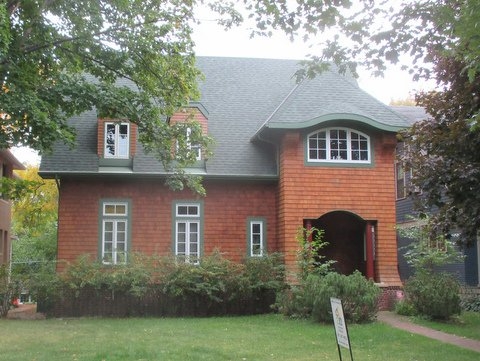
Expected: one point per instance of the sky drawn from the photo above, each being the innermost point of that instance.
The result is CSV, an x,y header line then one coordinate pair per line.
x,y
212,40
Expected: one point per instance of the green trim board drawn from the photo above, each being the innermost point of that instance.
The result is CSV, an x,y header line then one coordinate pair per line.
x,y
334,116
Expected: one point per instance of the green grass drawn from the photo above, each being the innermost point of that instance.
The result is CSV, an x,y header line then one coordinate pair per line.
x,y
466,325
257,338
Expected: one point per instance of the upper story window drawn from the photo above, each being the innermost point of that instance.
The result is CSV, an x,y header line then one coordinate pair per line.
x,y
117,140
193,147
341,145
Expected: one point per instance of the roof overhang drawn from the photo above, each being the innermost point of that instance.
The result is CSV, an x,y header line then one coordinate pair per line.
x,y
11,159
326,118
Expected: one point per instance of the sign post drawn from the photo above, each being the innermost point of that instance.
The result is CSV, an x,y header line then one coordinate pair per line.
x,y
341,330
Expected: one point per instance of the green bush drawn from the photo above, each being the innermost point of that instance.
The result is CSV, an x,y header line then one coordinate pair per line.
x,y
471,304
312,299
162,286
405,308
435,295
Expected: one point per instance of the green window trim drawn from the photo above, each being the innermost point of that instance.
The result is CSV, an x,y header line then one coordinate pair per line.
x,y
187,230
338,147
256,236
114,231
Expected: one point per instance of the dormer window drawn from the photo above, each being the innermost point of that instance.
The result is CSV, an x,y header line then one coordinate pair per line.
x,y
195,148
117,140
338,145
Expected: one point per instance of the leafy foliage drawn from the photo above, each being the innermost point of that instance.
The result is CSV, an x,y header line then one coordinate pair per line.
x,y
435,295
426,252
162,286
309,258
312,299
471,304
442,151
8,290
127,59
34,222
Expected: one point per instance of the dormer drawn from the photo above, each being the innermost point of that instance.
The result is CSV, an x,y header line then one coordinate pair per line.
x,y
195,112
116,142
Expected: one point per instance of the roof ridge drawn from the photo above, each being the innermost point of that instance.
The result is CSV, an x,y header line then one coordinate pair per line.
x,y
295,87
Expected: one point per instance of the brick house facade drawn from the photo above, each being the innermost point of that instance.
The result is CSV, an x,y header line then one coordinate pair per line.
x,y
319,153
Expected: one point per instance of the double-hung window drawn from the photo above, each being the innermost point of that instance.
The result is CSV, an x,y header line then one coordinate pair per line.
x,y
341,145
115,230
117,141
256,237
188,231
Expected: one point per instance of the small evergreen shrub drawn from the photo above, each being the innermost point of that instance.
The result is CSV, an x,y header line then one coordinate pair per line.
x,y
405,308
312,298
359,297
435,295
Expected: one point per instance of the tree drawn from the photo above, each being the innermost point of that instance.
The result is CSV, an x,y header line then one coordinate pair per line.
x,y
443,152
34,221
129,59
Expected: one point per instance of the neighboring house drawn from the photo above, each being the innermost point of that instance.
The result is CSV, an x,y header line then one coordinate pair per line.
x,y
8,163
467,271
286,155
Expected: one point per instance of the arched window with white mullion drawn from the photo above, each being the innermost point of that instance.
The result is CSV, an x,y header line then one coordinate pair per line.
x,y
338,145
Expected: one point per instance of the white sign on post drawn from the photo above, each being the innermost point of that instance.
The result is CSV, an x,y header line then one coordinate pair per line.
x,y
339,321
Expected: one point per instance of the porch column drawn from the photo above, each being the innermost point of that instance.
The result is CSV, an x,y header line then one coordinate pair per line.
x,y
370,249
308,226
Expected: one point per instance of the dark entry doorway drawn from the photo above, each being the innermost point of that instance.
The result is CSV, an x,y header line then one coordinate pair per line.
x,y
345,234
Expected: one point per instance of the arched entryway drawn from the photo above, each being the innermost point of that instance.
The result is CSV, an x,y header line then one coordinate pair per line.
x,y
351,241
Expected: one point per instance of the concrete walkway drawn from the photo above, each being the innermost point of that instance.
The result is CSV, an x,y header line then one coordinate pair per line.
x,y
404,323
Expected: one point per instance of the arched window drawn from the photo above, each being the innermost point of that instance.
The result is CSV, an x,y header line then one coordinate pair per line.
x,y
338,145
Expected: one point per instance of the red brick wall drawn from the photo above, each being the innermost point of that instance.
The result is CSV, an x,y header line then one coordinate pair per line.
x,y
308,192
226,209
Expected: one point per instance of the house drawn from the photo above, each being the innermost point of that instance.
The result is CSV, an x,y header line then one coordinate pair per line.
x,y
8,163
468,270
319,153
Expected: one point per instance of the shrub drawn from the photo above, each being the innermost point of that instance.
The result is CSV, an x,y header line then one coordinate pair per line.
x,y
312,298
435,295
359,297
471,304
162,286
405,308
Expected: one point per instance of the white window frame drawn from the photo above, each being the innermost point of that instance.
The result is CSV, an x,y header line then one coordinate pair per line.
x,y
120,151
189,220
260,241
116,219
349,149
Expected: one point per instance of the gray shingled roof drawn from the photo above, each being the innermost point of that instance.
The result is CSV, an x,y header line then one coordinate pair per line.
x,y
412,113
244,97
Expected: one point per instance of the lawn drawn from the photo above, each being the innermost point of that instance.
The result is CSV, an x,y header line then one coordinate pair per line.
x,y
466,325
267,337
